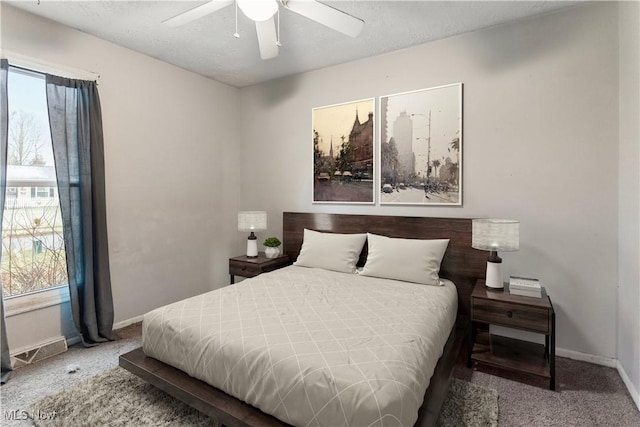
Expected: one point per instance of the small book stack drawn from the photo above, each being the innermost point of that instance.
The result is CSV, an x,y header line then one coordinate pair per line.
x,y
525,287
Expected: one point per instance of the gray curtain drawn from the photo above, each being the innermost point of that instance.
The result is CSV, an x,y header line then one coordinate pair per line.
x,y
4,132
76,132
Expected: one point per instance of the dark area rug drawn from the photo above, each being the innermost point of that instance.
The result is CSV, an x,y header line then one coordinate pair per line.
x,y
119,398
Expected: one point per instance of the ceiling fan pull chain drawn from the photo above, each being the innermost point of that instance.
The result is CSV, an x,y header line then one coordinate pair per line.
x,y
236,34
278,33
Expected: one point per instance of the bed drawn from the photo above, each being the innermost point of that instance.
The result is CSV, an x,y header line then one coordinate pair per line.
x,y
295,285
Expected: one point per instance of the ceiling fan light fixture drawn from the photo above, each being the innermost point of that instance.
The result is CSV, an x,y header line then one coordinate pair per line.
x,y
258,10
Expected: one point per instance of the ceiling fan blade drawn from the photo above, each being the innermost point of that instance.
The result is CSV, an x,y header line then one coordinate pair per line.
x,y
267,39
326,15
197,12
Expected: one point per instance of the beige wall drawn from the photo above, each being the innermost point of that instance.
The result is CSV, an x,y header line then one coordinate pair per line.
x,y
541,127
540,145
629,198
171,151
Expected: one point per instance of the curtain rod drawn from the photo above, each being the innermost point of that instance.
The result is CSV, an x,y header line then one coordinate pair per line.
x,y
35,65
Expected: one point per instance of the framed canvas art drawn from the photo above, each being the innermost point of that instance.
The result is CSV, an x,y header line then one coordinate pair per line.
x,y
343,152
421,147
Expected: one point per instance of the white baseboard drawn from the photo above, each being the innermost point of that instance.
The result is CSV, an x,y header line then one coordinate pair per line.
x,y
609,362
128,322
562,352
627,381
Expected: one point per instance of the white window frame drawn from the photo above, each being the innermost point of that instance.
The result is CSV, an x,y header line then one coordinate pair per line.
x,y
44,190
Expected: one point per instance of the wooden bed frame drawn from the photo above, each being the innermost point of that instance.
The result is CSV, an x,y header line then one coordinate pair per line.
x,y
461,264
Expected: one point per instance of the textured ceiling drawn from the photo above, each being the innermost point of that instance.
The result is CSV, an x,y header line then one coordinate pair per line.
x,y
207,46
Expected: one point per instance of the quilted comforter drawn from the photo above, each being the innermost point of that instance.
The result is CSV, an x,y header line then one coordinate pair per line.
x,y
311,347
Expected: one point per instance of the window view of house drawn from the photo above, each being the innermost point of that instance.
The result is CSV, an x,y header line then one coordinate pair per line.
x,y
33,254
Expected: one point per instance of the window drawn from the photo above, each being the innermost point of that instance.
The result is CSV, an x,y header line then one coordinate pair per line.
x,y
41,192
33,254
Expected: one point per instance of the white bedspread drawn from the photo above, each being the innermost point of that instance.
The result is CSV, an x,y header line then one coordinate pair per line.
x,y
311,347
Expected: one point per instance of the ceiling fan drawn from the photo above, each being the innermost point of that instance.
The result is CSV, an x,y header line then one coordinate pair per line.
x,y
263,12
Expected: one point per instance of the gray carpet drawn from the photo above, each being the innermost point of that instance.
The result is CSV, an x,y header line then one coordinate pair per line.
x,y
588,395
119,398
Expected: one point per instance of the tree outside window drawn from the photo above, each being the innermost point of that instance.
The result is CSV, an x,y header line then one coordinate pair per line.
x,y
33,255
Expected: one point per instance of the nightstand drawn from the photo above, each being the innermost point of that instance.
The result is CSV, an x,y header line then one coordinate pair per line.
x,y
251,267
499,307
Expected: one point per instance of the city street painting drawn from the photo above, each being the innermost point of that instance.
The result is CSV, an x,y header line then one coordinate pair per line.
x,y
343,153
421,147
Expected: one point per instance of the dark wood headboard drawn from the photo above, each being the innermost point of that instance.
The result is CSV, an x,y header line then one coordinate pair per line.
x,y
461,263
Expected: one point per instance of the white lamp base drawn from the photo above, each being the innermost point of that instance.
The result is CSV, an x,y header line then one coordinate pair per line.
x,y
494,275
252,248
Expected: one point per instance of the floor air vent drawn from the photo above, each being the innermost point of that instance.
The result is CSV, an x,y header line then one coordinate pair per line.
x,y
42,351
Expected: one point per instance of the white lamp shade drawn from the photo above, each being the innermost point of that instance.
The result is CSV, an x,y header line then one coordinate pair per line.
x,y
252,221
495,235
258,10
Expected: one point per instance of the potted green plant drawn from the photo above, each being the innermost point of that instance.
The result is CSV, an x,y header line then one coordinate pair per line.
x,y
272,247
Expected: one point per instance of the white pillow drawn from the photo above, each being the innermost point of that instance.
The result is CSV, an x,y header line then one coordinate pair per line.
x,y
331,251
410,260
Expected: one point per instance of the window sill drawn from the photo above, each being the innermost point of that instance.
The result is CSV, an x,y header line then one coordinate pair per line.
x,y
35,300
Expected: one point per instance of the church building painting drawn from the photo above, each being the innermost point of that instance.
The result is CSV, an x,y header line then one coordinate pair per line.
x,y
343,153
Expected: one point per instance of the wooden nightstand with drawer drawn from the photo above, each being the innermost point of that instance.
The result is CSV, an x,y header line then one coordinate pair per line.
x,y
499,307
250,267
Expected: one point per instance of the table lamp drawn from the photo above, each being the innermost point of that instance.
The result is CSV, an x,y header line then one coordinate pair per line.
x,y
495,235
252,221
